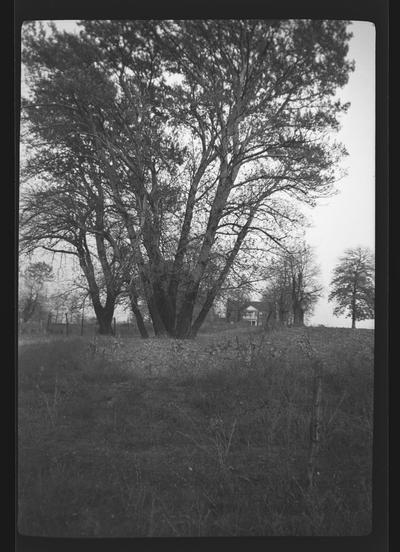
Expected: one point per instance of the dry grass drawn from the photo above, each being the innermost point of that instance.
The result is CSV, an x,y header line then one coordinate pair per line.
x,y
136,438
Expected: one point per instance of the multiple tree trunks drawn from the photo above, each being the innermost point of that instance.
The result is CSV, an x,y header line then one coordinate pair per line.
x,y
139,318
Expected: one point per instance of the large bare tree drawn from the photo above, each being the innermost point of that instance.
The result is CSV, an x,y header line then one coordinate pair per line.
x,y
204,132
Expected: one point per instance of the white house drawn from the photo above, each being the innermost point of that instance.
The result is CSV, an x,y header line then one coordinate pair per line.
x,y
253,314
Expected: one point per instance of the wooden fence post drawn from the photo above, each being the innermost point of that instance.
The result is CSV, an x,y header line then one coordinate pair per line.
x,y
82,322
115,327
66,324
316,421
48,322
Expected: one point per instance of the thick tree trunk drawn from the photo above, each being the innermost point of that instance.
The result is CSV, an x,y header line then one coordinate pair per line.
x,y
164,308
184,322
105,324
298,316
353,304
158,325
283,317
104,314
139,319
104,318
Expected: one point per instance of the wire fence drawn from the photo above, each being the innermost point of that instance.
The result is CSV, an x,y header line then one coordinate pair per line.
x,y
53,326
75,328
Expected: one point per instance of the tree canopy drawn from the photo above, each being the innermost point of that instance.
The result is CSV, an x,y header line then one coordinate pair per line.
x,y
194,137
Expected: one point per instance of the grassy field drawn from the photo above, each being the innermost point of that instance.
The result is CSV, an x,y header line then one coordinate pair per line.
x,y
146,438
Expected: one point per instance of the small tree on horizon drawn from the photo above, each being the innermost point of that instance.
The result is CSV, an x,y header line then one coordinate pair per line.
x,y
353,285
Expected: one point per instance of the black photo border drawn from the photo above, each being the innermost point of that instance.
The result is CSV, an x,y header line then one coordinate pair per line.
x,y
375,11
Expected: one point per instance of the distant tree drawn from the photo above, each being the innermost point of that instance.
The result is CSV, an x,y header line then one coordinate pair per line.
x,y
66,299
277,293
353,285
33,281
293,286
305,287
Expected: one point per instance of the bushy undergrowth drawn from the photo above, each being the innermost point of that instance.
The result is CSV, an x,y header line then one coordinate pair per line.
x,y
209,447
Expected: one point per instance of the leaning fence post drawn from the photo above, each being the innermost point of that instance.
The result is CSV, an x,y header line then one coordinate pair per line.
x,y
48,322
316,421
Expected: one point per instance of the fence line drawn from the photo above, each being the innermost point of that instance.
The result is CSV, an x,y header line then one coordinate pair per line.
x,y
74,328
78,326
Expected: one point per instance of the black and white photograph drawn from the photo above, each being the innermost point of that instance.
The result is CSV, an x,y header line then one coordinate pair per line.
x,y
196,278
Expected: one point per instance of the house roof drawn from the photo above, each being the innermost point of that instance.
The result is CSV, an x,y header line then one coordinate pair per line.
x,y
259,305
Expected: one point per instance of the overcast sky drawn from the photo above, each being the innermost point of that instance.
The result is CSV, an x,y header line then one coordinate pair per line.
x,y
346,219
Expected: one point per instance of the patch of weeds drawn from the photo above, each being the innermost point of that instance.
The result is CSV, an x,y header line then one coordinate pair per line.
x,y
61,356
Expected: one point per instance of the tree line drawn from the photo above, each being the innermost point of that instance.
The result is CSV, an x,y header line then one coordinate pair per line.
x,y
165,154
292,289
